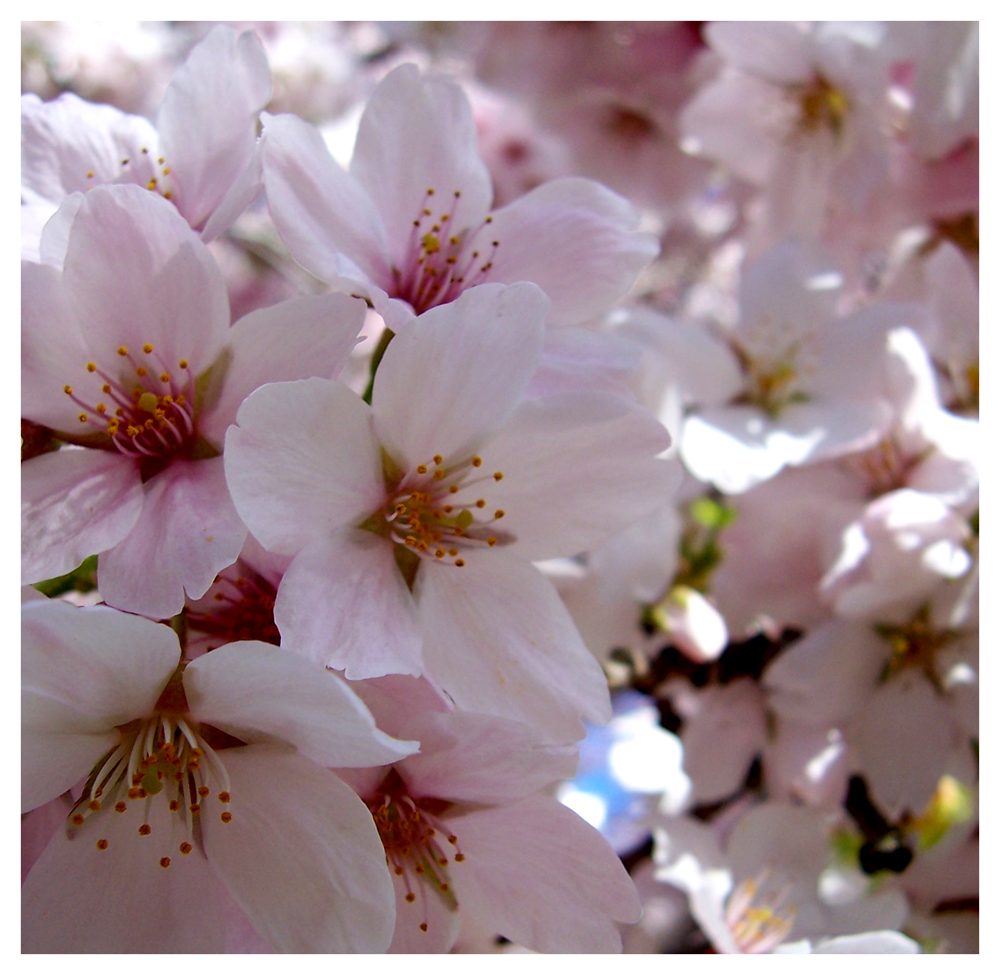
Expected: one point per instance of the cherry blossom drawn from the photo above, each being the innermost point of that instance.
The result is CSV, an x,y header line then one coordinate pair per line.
x,y
412,521
141,381
205,795
200,155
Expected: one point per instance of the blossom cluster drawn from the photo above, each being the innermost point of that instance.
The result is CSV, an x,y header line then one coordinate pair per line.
x,y
500,487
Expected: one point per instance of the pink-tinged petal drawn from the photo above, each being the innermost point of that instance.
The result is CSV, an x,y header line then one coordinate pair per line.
x,y
83,672
577,469
455,374
53,353
34,216
208,118
543,878
107,665
740,121
37,829
301,855
476,758
79,898
262,693
325,217
868,943
724,730
777,51
576,359
71,145
75,503
138,274
903,740
55,234
303,462
243,191
442,920
343,603
500,641
295,339
187,532
827,676
417,134
577,240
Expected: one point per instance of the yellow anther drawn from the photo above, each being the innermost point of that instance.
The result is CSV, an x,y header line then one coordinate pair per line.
x,y
101,408
438,459
141,371
226,817
491,541
164,862
101,844
91,367
223,797
453,552
185,848
174,805
453,489
147,348
145,829
82,417
203,791
166,172
195,807
68,390
423,925
77,819
106,388
410,898
151,185
497,476
93,805
459,857
439,475
122,350
459,562
120,806
439,554
161,160
90,174
499,513
166,194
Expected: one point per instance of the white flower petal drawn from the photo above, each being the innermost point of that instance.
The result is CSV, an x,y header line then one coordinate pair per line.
x,y
187,532
302,462
499,641
577,468
301,855
326,217
75,503
78,898
344,604
577,240
455,373
416,134
137,274
295,339
208,118
259,692
543,878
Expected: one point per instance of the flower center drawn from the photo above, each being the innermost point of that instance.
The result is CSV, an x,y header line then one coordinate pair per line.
x,y
164,758
441,258
142,169
885,467
916,644
243,610
821,106
415,841
437,511
757,928
148,410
